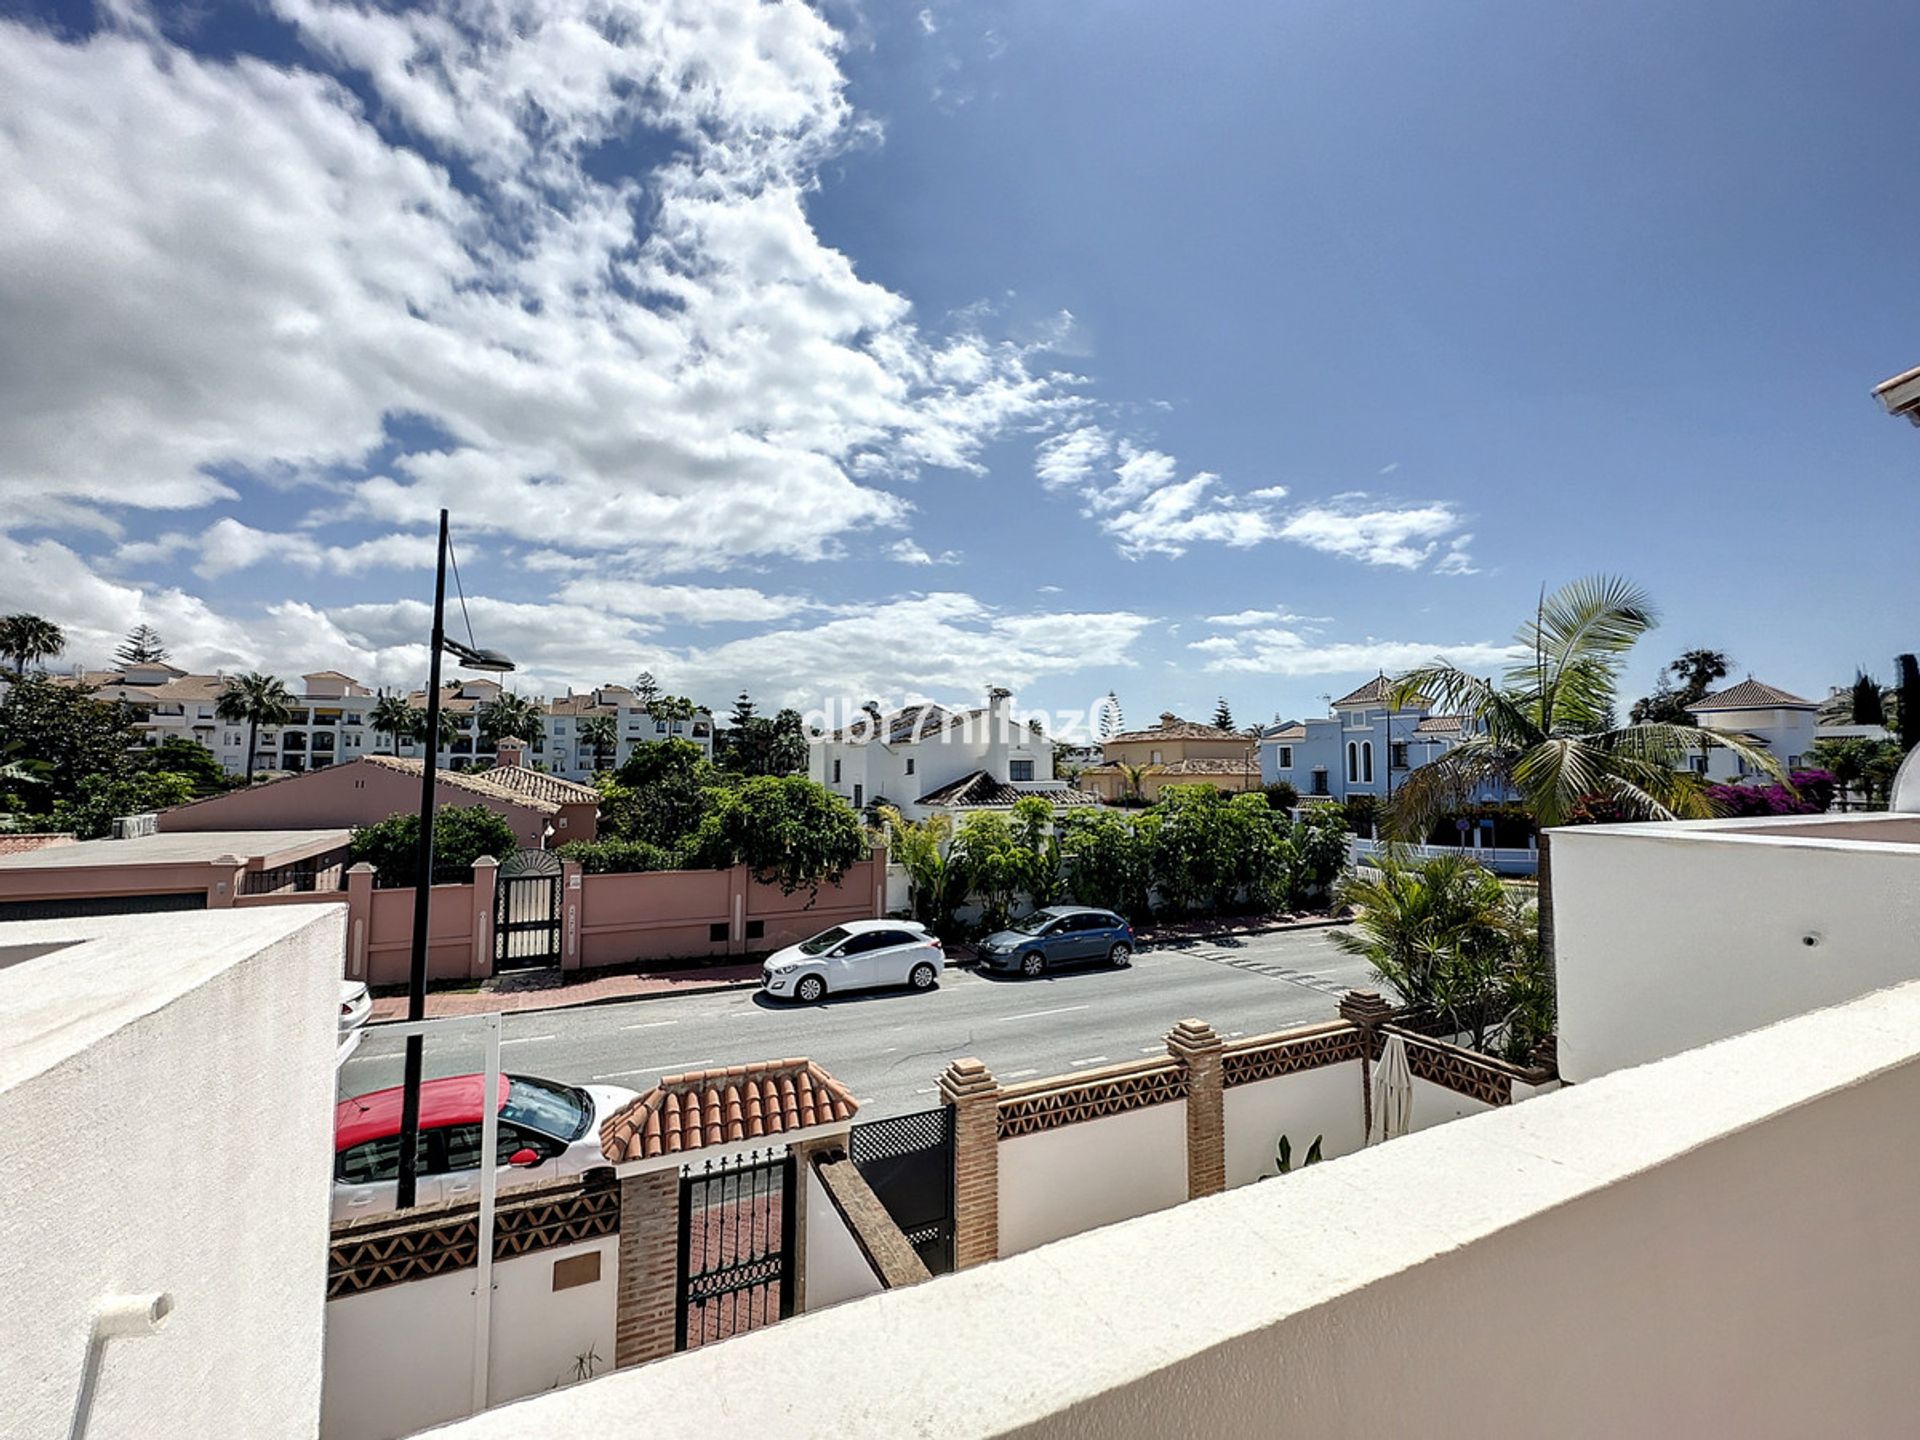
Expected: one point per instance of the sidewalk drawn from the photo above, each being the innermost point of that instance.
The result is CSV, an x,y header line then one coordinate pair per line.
x,y
548,990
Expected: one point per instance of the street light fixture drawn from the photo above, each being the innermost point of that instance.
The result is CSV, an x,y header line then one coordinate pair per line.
x,y
473,658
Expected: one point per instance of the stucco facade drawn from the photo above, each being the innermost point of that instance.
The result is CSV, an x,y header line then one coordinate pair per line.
x,y
1781,724
1173,752
924,749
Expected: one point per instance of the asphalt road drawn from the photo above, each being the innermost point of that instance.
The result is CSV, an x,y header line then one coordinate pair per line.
x,y
889,1047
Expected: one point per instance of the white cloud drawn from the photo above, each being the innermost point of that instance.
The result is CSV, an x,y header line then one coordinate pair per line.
x,y
1374,532
1260,617
1268,492
909,552
1283,651
701,604
1457,561
230,277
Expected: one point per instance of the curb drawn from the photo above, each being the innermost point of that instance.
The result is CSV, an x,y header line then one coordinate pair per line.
x,y
717,987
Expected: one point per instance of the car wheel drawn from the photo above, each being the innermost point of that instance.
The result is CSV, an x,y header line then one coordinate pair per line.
x,y
922,977
1120,956
1032,963
810,989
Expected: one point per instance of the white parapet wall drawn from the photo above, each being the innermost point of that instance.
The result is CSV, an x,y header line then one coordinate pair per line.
x,y
1717,1244
1669,936
166,1094
1074,1177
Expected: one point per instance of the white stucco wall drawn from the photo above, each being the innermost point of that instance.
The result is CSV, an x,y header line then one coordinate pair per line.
x,y
1060,1182
401,1358
1670,936
1719,1244
836,1268
1436,1105
166,1103
1323,1102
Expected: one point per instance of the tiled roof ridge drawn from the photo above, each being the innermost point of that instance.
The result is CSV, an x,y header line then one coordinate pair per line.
x,y
723,1106
1749,694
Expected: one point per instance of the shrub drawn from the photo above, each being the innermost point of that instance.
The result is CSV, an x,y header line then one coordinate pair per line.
x,y
618,857
461,835
1281,794
1107,860
100,799
788,830
1319,844
1810,793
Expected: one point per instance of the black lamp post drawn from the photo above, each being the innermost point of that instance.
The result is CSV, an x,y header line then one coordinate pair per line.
x,y
472,659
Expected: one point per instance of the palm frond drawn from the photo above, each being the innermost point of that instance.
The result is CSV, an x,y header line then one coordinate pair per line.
x,y
1443,785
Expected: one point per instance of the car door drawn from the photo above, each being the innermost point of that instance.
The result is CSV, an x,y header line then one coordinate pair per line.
x,y
894,956
366,1177
850,967
461,1177
1085,937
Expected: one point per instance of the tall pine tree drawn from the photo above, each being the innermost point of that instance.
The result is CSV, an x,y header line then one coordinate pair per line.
x,y
1223,715
141,647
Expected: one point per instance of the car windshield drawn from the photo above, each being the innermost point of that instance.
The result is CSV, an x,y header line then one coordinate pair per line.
x,y
1034,923
824,941
557,1110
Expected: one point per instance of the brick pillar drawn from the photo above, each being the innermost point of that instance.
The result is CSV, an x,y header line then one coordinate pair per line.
x,y
1198,1049
969,1087
1366,1010
486,880
644,1319
359,919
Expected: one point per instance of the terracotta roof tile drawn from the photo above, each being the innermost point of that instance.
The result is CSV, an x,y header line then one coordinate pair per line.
x,y
725,1107
532,788
1750,694
1440,725
980,791
1174,728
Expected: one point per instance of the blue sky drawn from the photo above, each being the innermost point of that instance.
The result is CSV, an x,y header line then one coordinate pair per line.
x,y
895,351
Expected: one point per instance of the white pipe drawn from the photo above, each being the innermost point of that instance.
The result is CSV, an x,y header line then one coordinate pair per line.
x,y
119,1317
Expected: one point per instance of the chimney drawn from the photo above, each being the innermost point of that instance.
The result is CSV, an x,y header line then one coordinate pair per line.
x,y
1000,737
512,752
1167,717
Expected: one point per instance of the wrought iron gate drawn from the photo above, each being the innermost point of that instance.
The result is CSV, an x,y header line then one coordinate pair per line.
x,y
526,911
736,1232
908,1160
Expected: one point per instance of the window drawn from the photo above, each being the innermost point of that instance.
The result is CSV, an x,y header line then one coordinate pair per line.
x,y
1353,762
659,727
836,772
1320,780
1155,760
1020,770
1284,759
909,765
462,1145
1366,762
856,797
375,1160
1398,752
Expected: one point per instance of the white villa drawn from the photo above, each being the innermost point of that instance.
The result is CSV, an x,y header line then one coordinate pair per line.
x,y
1783,725
926,758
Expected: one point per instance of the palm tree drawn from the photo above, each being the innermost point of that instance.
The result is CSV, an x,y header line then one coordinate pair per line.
x,y
416,728
1547,732
603,735
255,700
391,716
27,638
1134,776
512,717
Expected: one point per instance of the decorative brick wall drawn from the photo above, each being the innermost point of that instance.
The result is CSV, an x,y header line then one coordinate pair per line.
x,y
1198,1049
973,1093
644,1320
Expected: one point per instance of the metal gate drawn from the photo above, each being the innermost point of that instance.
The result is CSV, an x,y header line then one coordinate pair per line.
x,y
526,911
908,1160
736,1231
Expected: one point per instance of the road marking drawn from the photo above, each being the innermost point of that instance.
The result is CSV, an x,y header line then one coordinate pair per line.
x,y
1019,1074
1090,1060
673,1069
1036,1014
526,1039
890,1049
650,1025
867,1101
1152,1049
926,1090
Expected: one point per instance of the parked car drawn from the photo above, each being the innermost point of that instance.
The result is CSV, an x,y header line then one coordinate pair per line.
x,y
355,1006
1056,936
547,1130
859,955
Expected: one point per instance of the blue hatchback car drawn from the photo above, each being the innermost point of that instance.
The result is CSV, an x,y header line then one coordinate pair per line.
x,y
1056,936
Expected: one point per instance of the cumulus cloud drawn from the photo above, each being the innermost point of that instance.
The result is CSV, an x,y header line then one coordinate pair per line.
x,y
1279,650
1375,532
909,552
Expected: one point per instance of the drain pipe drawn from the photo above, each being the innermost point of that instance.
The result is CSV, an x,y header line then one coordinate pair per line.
x,y
119,1317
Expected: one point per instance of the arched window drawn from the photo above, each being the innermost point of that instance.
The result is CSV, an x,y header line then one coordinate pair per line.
x,y
1366,762
1353,762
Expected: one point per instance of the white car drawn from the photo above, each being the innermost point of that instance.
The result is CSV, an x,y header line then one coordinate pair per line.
x,y
547,1130
859,955
355,1006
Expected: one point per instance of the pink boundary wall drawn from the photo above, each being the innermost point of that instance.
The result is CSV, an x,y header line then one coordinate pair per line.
x,y
604,919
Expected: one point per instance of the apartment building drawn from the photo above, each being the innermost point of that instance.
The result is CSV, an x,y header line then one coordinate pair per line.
x,y
568,749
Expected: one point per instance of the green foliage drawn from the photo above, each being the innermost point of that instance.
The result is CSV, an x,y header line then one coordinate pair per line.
x,y
392,717
1907,708
1319,841
1362,812
511,717
142,646
189,758
254,700
416,727
1039,841
1107,858
1283,1155
786,829
1281,794
618,857
65,732
936,881
661,796
27,638
601,734
1454,944
1223,714
100,799
757,745
1208,846
1864,767
461,835
994,861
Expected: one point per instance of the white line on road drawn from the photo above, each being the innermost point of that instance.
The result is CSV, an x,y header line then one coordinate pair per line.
x,y
926,1089
650,1025
1090,1060
673,1069
525,1039
1152,1049
1019,1074
1036,1014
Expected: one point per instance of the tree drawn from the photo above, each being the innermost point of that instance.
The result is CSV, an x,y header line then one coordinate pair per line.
x,y
768,747
1909,701
618,857
1111,722
511,717
1319,841
1863,768
27,638
646,690
1223,715
1547,733
994,863
1135,776
101,799
602,735
1696,670
1866,705
742,711
661,796
393,717
66,733
416,727
787,830
141,647
1107,859
935,884
189,759
461,835
1282,794
254,700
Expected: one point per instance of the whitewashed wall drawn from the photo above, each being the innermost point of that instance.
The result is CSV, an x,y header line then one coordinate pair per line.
x,y
401,1358
1060,1182
1436,1105
1669,936
1323,1102
837,1269
166,1103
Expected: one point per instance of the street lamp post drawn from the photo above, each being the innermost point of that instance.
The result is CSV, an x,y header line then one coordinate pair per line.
x,y
407,1187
